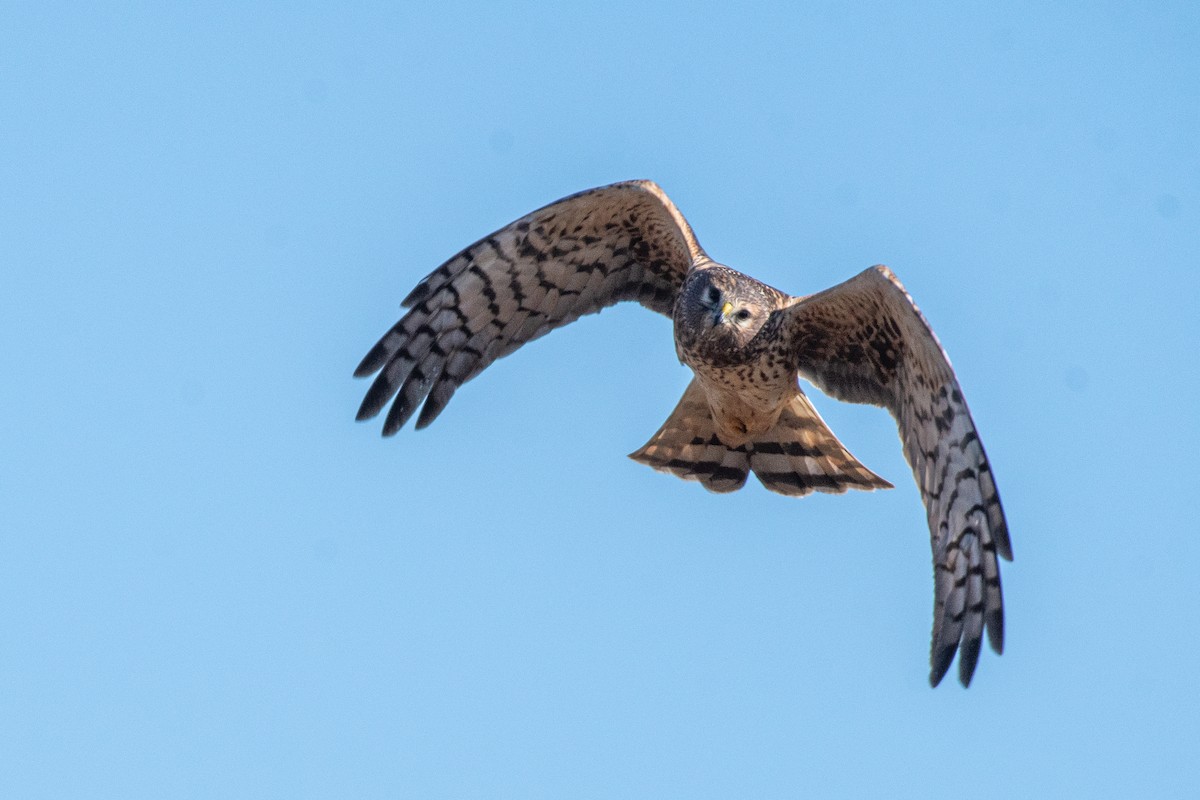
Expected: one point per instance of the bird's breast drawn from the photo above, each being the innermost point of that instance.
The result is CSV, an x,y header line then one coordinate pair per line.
x,y
745,399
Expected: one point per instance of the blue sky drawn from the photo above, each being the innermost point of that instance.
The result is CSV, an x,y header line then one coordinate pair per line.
x,y
213,583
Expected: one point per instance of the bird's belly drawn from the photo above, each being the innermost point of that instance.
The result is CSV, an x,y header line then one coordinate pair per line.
x,y
745,400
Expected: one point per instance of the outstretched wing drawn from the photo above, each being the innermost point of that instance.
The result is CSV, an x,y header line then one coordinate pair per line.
x,y
865,341
626,241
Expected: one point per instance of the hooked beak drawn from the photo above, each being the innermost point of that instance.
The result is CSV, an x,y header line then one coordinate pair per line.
x,y
721,315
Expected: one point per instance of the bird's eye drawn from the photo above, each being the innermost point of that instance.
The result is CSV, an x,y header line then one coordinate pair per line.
x,y
743,315
714,294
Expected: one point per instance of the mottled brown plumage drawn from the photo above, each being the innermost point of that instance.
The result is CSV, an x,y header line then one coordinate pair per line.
x,y
863,341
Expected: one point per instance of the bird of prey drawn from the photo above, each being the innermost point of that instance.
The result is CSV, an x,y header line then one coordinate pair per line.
x,y
863,341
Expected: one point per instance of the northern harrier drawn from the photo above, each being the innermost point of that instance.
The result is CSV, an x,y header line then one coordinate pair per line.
x,y
863,341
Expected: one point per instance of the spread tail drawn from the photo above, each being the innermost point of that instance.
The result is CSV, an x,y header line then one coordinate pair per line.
x,y
799,455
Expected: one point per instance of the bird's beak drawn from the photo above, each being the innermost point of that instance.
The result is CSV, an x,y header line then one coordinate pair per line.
x,y
725,309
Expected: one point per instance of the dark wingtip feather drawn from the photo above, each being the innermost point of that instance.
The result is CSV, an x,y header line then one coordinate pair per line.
x,y
398,414
429,412
939,664
995,630
439,396
968,657
372,361
377,396
1003,543
419,293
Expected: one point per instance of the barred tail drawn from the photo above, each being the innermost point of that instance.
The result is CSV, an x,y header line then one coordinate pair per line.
x,y
799,455
687,445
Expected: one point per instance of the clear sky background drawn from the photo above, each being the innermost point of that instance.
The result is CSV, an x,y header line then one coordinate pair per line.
x,y
214,583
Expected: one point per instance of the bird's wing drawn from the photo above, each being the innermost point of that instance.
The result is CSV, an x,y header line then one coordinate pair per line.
x,y
626,241
865,341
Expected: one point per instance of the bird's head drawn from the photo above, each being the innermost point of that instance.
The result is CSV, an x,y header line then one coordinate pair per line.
x,y
721,310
